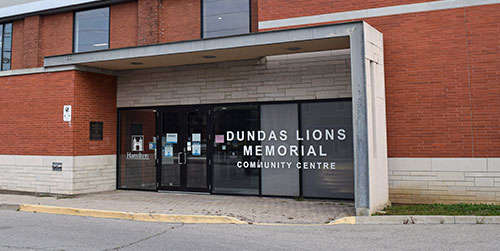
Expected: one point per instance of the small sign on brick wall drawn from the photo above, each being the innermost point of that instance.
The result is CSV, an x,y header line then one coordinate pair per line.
x,y
56,166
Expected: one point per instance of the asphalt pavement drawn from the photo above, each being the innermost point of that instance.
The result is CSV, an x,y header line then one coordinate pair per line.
x,y
37,231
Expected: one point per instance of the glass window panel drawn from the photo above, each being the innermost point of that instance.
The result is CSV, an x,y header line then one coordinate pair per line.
x,y
225,17
227,177
7,46
171,167
327,183
1,44
137,163
197,164
280,181
91,30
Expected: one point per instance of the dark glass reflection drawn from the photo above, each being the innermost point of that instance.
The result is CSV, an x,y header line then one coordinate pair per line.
x,y
225,17
91,30
227,177
171,162
137,162
277,117
196,173
325,183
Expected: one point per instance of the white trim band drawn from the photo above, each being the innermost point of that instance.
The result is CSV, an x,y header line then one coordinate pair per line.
x,y
374,12
37,6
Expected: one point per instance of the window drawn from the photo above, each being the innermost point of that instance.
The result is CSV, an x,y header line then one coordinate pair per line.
x,y
91,30
225,17
5,45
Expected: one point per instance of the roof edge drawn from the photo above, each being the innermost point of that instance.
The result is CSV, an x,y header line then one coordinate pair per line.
x,y
20,11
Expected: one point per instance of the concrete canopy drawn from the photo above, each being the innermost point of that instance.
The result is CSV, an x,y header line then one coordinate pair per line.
x,y
367,69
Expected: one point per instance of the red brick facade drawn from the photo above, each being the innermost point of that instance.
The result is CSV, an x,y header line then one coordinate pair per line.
x,y
123,26
31,109
441,70
148,21
180,20
279,9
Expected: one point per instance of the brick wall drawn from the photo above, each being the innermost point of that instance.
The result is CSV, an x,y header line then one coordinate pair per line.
x,y
436,90
56,34
123,25
437,78
148,21
31,113
318,75
31,42
279,9
94,100
31,109
35,135
180,20
17,57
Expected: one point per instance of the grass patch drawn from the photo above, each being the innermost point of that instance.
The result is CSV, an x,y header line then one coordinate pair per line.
x,y
444,209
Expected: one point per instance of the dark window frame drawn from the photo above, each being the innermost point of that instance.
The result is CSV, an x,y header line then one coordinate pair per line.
x,y
2,42
74,27
160,108
202,35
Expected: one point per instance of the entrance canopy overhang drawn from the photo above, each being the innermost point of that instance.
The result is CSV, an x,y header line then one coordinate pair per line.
x,y
367,79
241,47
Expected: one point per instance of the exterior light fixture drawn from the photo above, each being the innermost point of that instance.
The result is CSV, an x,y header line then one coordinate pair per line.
x,y
294,48
137,63
209,56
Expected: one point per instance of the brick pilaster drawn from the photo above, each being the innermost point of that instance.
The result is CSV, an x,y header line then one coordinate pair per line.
x,y
32,57
148,22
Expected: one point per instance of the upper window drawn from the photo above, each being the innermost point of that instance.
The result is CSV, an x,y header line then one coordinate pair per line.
x,y
225,17
91,30
5,45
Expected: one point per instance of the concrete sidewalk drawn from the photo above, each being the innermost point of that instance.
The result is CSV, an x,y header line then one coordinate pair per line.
x,y
245,208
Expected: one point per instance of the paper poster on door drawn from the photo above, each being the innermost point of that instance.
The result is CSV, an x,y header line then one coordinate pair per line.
x,y
169,150
172,138
152,145
196,137
196,149
219,139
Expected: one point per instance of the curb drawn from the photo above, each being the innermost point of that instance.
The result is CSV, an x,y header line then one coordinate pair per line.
x,y
209,219
9,207
168,218
416,219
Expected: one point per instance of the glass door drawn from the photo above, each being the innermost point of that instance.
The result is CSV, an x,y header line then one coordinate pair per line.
x,y
183,164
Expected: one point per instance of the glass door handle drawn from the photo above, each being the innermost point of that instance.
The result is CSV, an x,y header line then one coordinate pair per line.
x,y
185,158
179,158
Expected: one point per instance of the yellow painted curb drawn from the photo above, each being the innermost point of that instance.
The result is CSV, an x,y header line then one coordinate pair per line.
x,y
75,211
169,218
173,218
345,220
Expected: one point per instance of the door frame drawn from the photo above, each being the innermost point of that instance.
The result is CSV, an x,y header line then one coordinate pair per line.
x,y
183,111
210,132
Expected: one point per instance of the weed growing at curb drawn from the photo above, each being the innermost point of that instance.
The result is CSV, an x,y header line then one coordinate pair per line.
x,y
444,209
299,198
